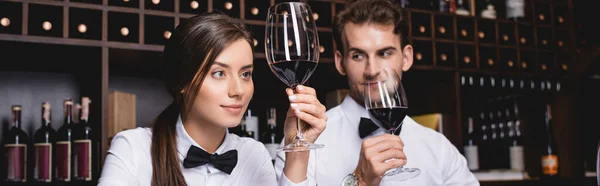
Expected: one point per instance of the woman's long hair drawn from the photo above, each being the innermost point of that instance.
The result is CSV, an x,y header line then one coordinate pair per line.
x,y
187,58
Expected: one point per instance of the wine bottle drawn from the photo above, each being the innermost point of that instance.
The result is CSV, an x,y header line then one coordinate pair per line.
x,y
243,130
76,112
83,147
517,161
490,11
461,8
404,3
502,148
44,149
515,10
443,5
485,142
269,137
16,145
493,134
471,150
549,156
64,167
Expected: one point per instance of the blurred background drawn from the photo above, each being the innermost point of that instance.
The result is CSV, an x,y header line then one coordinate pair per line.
x,y
485,74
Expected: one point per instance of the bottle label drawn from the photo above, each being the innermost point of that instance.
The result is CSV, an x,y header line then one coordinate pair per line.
x,y
42,171
63,161
550,165
471,153
272,148
16,162
82,160
516,158
515,8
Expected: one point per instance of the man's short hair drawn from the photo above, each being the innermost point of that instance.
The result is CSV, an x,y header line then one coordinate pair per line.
x,y
384,12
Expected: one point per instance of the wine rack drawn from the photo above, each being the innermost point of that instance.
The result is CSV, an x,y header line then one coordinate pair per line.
x,y
423,52
326,42
465,29
256,10
508,60
486,32
466,56
488,58
321,13
123,27
443,26
525,38
85,24
160,5
124,3
421,25
229,7
10,16
98,2
445,54
48,24
506,34
158,29
258,42
543,14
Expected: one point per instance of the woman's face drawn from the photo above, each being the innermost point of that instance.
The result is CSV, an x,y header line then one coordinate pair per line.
x,y
227,88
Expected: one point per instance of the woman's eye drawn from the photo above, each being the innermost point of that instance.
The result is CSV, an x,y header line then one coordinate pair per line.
x,y
218,74
247,74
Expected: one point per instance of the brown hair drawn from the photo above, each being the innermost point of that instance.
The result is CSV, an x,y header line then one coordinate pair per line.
x,y
384,12
187,58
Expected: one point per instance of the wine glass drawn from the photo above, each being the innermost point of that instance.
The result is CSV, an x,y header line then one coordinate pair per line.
x,y
292,52
385,100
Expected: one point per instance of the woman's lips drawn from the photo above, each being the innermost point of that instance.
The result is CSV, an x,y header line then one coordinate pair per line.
x,y
233,109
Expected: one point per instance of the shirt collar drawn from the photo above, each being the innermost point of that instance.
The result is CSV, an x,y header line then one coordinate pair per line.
x,y
184,142
353,110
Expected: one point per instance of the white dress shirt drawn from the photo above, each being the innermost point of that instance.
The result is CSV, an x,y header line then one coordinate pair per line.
x,y
440,162
129,162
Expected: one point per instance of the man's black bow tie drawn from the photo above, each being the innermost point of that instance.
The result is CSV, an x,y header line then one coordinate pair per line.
x,y
198,157
367,126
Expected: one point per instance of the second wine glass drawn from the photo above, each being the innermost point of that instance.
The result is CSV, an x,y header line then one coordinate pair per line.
x,y
291,48
385,100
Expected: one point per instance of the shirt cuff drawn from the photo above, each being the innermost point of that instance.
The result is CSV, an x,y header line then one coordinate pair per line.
x,y
286,182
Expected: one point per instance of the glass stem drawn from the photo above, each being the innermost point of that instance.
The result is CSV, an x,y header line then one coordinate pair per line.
x,y
299,135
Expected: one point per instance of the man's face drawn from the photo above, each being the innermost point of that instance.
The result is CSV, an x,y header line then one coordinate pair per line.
x,y
368,49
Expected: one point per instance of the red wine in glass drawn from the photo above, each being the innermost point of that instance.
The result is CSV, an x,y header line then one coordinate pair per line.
x,y
389,119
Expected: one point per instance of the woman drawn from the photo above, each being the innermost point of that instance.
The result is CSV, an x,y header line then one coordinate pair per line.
x,y
208,71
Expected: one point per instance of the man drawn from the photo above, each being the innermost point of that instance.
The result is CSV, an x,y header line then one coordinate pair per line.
x,y
368,35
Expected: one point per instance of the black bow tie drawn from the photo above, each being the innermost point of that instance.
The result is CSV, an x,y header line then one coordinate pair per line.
x,y
198,157
367,126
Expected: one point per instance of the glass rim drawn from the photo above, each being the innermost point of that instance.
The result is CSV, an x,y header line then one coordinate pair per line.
x,y
272,8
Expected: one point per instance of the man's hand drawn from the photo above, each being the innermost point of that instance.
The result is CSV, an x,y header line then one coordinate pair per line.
x,y
378,155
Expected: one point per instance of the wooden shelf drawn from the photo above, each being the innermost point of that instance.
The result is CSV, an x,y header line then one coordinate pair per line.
x,y
421,38
488,45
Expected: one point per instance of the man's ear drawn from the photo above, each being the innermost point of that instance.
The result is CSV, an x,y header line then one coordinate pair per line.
x,y
407,60
339,62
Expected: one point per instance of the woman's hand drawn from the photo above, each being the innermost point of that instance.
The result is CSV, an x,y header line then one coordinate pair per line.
x,y
305,106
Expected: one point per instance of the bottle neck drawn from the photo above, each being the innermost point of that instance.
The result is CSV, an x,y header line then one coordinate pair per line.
x,y
68,115
17,119
46,116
